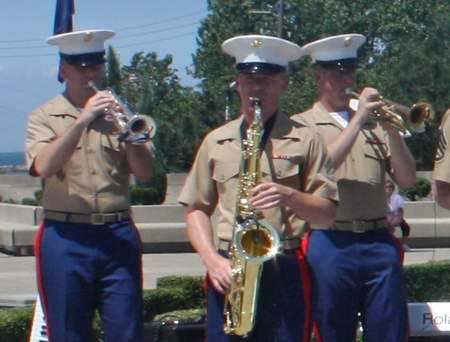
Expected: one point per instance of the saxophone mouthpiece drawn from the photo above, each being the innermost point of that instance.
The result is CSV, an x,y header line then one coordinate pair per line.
x,y
256,101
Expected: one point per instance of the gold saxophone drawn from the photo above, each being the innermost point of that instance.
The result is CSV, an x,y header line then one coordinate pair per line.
x,y
254,239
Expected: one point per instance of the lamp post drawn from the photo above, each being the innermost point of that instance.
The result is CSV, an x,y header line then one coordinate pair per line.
x,y
277,13
280,18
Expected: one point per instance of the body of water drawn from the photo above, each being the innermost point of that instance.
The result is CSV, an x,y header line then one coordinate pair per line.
x,y
12,158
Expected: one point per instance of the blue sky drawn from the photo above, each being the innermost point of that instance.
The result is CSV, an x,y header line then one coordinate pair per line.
x,y
28,65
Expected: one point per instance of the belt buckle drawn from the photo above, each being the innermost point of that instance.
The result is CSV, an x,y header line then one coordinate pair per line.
x,y
97,219
359,226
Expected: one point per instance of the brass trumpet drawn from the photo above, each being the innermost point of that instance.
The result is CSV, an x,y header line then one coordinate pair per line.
x,y
136,129
405,119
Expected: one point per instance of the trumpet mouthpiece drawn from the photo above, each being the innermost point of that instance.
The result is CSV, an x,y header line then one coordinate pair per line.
x,y
92,85
349,91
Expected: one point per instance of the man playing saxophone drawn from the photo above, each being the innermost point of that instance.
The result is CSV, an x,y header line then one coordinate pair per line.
x,y
296,185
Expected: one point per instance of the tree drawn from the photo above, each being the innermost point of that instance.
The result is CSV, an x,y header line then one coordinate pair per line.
x,y
151,86
406,53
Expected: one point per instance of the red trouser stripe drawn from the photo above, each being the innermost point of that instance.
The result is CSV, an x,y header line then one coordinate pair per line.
x,y
37,253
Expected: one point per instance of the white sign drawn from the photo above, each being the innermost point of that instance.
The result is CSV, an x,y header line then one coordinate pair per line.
x,y
429,319
39,327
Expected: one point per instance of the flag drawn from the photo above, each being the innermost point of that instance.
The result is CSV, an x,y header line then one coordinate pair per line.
x,y
65,9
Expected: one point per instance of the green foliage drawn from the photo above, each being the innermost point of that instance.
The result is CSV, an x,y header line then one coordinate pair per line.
x,y
36,201
421,189
144,196
150,85
192,283
183,298
162,300
29,201
404,54
11,201
174,293
15,324
151,192
429,282
39,195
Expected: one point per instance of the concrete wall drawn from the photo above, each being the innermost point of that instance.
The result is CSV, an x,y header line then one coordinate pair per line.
x,y
163,227
15,186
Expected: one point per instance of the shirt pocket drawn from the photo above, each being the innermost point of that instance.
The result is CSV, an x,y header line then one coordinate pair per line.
x,y
75,165
226,176
286,171
113,154
374,162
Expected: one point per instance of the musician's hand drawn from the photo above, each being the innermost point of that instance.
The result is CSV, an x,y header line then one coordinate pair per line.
x,y
388,128
369,101
96,106
269,195
219,273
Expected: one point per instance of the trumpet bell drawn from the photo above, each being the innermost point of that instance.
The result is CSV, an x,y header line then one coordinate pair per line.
x,y
402,117
135,128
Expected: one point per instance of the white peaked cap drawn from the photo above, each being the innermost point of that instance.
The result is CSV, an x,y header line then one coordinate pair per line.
x,y
335,48
269,53
80,42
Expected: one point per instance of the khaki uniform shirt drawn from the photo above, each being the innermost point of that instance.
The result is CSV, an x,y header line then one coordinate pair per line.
x,y
293,156
361,177
97,176
442,162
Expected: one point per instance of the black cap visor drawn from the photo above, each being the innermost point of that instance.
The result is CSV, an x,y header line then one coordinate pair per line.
x,y
85,59
342,64
259,68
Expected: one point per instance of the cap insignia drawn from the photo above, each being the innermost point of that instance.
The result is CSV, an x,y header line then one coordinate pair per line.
x,y
257,43
348,41
88,36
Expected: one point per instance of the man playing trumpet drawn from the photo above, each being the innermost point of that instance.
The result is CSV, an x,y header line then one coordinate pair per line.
x,y
356,264
88,249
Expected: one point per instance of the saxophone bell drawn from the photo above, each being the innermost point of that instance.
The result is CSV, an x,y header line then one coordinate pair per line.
x,y
257,240
134,128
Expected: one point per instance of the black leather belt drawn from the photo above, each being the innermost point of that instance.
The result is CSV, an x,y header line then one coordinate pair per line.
x,y
94,219
285,244
360,226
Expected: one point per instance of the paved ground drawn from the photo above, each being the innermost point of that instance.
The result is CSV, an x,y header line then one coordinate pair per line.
x,y
18,277
18,283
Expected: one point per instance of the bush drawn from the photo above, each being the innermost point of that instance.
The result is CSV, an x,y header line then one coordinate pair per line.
x,y
15,324
29,201
183,297
144,196
174,293
38,195
36,201
429,282
421,189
